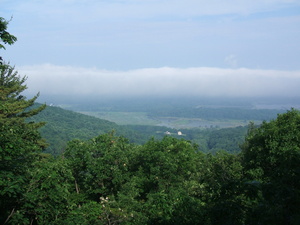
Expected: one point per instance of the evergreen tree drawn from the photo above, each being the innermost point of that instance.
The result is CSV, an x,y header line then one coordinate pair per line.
x,y
20,142
5,36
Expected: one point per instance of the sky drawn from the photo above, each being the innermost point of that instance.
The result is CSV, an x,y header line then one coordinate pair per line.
x,y
156,47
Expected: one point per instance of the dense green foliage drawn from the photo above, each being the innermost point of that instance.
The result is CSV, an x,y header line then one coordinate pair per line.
x,y
64,125
20,142
271,157
108,180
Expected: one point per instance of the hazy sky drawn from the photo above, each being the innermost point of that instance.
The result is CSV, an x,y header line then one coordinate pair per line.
x,y
153,47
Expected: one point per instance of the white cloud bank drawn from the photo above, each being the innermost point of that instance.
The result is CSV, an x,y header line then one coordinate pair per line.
x,y
71,81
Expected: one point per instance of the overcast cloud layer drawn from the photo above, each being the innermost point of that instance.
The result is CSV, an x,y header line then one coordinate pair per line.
x,y
156,47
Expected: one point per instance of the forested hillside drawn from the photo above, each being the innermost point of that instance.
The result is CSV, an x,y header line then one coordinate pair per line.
x,y
209,140
65,125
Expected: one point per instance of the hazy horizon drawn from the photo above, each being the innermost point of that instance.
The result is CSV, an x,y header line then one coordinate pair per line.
x,y
167,48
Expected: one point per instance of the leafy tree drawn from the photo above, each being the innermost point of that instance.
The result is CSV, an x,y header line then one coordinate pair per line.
x,y
271,158
65,125
88,213
163,175
227,139
224,189
49,193
100,170
148,184
99,165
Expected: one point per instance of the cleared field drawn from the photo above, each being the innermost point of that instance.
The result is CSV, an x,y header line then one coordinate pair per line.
x,y
141,118
176,122
125,118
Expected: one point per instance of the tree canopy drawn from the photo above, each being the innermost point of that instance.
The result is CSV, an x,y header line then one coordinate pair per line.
x,y
271,159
